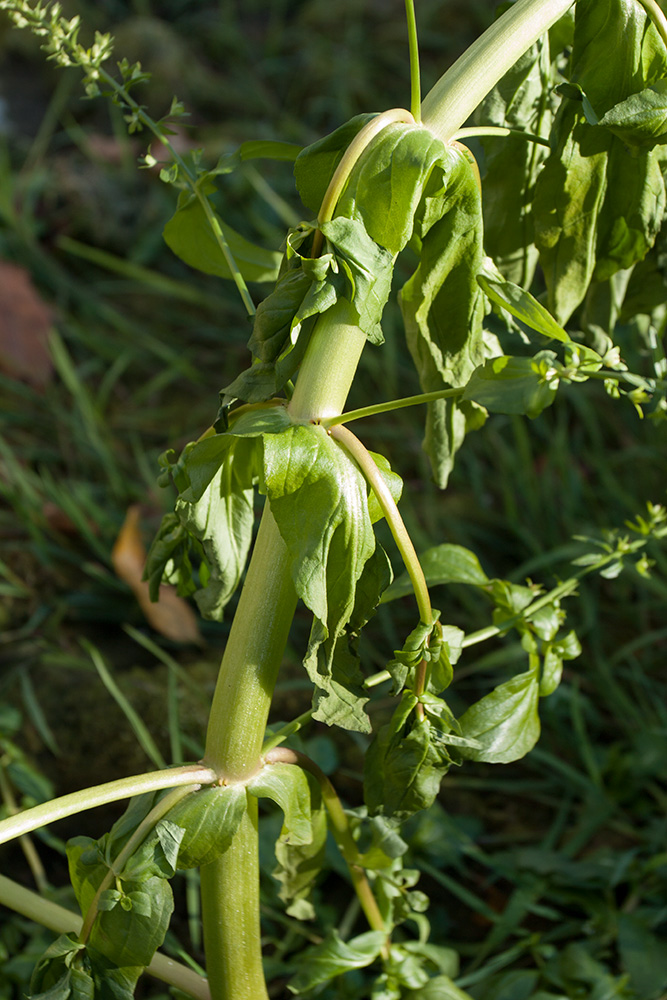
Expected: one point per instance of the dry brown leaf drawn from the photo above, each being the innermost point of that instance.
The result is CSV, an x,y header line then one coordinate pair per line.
x,y
25,321
171,616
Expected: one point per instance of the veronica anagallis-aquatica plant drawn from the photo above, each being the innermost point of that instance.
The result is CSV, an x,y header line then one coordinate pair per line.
x,y
568,102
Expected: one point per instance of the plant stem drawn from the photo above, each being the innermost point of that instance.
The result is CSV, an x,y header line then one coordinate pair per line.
x,y
392,404
413,46
153,127
340,829
464,86
400,534
63,921
469,133
242,698
98,795
657,16
349,159
148,823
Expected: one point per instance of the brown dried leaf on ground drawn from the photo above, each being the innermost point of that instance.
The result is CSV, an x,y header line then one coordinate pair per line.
x,y
171,616
25,321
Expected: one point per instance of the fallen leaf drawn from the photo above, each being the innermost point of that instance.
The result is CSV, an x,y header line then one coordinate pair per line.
x,y
170,615
25,321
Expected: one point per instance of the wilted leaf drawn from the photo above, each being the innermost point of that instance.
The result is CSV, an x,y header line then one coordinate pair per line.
x,y
171,616
25,322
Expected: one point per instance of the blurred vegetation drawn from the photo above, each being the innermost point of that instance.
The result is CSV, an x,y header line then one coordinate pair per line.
x,y
549,874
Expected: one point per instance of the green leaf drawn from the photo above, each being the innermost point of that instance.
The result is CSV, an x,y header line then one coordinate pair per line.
x,y
286,784
438,988
319,500
443,305
511,164
222,519
210,818
333,957
598,205
519,303
257,149
641,119
388,182
505,722
367,267
515,385
404,764
189,235
298,865
131,937
642,954
444,563
315,165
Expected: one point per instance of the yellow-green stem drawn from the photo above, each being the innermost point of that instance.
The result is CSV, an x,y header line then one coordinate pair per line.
x,y
340,829
399,532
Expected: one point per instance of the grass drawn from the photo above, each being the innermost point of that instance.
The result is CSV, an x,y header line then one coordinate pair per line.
x,y
549,875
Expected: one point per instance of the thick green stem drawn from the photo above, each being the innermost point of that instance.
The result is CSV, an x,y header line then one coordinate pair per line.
x,y
464,86
241,702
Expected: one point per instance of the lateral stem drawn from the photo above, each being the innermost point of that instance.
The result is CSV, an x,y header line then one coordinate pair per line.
x,y
400,533
346,165
340,829
98,795
393,404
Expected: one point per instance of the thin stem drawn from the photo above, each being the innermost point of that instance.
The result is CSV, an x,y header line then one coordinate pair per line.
x,y
342,834
152,126
98,795
43,911
464,86
148,823
287,730
400,534
657,16
469,133
392,404
348,161
413,46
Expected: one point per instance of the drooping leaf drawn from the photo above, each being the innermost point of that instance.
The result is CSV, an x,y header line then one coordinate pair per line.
x,y
286,784
443,305
315,165
511,164
388,183
515,385
319,500
298,865
446,563
222,521
519,303
505,722
598,205
210,818
334,956
189,235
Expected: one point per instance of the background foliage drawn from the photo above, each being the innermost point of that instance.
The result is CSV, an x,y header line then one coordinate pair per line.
x,y
546,875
